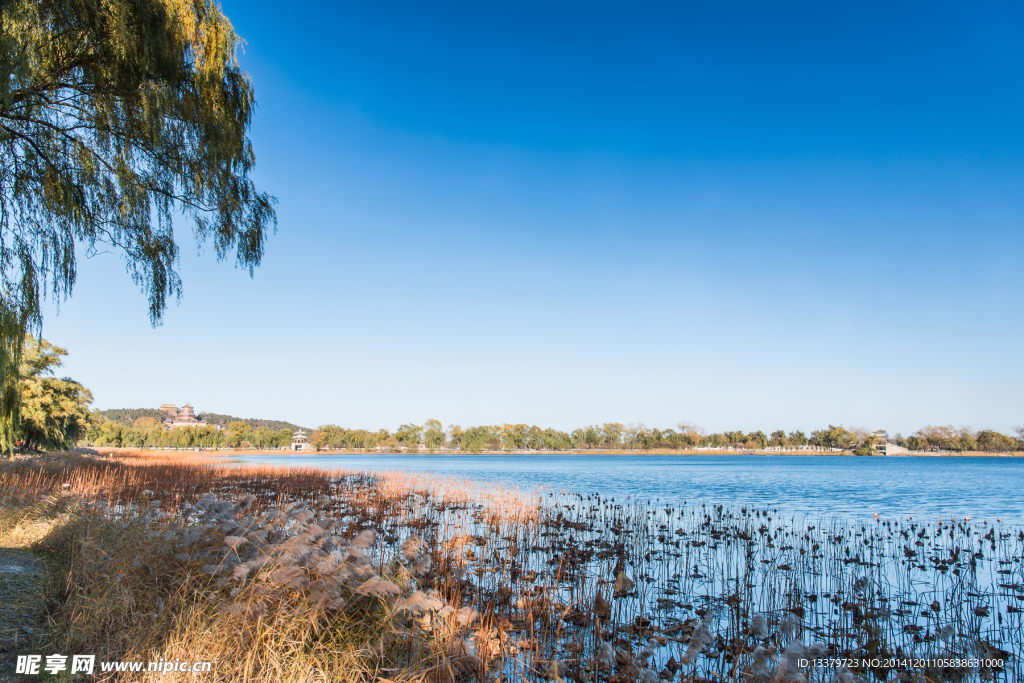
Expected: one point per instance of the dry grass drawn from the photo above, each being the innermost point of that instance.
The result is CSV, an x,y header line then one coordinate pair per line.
x,y
300,574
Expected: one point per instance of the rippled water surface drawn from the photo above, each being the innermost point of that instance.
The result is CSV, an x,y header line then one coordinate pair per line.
x,y
924,487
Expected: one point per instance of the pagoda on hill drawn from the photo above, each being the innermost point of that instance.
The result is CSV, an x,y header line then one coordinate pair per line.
x,y
185,417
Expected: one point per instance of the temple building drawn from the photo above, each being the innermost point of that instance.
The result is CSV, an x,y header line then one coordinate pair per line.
x,y
185,417
300,442
881,440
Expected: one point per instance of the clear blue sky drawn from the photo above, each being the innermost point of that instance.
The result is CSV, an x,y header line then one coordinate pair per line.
x,y
747,215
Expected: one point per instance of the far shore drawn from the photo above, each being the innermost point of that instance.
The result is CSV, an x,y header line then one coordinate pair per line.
x,y
227,452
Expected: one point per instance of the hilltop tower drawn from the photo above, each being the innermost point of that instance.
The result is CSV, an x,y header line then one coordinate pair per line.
x,y
185,417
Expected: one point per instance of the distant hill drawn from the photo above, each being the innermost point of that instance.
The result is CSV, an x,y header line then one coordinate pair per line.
x,y
225,420
127,416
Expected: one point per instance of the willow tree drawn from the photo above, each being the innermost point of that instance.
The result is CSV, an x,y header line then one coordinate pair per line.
x,y
54,411
115,117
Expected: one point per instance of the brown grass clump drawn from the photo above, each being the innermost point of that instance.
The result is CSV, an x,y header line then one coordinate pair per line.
x,y
299,574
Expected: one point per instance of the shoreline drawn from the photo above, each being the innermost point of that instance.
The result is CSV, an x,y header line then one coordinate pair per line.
x,y
747,481
224,452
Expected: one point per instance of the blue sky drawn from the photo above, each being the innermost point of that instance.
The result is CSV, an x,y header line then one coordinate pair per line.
x,y
744,215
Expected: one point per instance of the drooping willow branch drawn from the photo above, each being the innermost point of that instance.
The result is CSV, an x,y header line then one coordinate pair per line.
x,y
116,116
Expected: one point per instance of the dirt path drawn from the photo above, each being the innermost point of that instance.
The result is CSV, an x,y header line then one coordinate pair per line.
x,y
22,587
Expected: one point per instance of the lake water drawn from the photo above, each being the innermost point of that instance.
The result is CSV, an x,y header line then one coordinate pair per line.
x,y
926,488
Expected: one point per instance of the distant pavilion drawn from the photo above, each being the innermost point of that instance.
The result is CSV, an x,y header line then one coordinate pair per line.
x,y
300,442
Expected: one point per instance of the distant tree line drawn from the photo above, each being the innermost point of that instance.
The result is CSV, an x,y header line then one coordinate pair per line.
x,y
144,428
613,436
949,438
54,414
128,416
148,432
225,421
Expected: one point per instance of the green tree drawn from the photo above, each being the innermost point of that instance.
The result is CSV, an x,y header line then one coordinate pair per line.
x,y
408,435
966,440
115,116
111,434
373,439
691,434
534,438
455,436
145,422
264,437
647,439
833,437
937,438
715,440
735,438
383,440
433,435
595,436
865,446
555,440
481,438
797,438
13,323
238,434
916,443
612,434
239,427
54,412
992,441
330,436
631,434
152,436
778,439
840,437
96,418
514,437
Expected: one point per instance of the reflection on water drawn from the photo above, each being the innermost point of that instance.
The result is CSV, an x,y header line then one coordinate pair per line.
x,y
924,487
